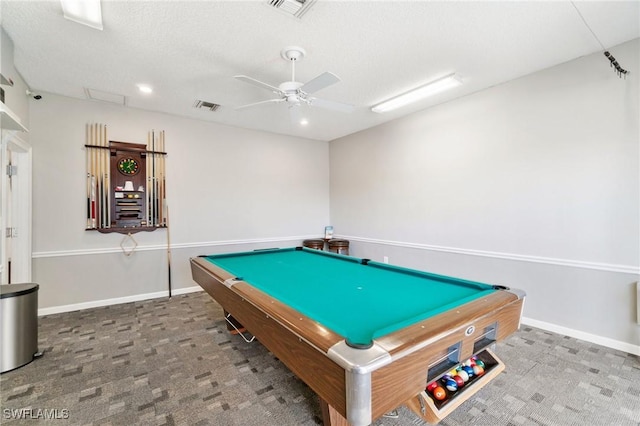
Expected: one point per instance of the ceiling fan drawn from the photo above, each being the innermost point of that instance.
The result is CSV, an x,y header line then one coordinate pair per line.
x,y
295,93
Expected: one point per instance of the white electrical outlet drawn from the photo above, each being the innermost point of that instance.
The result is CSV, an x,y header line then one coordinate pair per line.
x,y
385,259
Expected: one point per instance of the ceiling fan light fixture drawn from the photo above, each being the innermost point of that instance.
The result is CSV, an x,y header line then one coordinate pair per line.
x,y
85,12
145,88
436,86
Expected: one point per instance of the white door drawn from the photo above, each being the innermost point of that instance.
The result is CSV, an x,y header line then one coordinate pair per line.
x,y
15,250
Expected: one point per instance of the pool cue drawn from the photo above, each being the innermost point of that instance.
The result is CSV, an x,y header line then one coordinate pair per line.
x,y
102,189
158,193
93,177
160,174
151,196
99,174
147,195
96,141
164,176
168,252
107,155
155,180
88,176
103,165
157,174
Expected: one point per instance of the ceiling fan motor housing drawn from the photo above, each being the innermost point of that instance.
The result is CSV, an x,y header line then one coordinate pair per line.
x,y
290,89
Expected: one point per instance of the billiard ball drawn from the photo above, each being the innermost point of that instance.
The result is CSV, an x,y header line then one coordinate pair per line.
x,y
480,363
477,370
439,393
431,386
463,374
458,380
469,370
450,384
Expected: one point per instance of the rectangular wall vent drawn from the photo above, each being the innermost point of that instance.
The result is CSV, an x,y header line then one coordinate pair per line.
x,y
206,105
295,8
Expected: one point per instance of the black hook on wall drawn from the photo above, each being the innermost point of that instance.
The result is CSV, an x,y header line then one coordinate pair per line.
x,y
621,71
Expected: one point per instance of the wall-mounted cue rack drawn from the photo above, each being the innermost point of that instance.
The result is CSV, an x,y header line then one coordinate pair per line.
x,y
126,183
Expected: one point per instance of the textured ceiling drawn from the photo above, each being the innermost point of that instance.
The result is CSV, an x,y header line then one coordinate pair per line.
x,y
191,50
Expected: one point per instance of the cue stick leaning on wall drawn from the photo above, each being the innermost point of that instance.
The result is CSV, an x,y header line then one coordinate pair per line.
x,y
168,251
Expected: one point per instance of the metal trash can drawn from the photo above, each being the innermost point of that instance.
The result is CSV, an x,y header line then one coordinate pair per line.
x,y
18,325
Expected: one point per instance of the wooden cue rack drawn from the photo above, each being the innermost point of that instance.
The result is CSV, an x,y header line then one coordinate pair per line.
x,y
126,183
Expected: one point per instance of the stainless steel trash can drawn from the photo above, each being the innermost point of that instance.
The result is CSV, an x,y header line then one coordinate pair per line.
x,y
18,325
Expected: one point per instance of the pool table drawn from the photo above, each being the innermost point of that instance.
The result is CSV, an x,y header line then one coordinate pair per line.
x,y
365,336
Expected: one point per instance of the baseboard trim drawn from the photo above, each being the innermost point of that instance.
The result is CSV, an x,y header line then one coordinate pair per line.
x,y
587,337
626,269
115,301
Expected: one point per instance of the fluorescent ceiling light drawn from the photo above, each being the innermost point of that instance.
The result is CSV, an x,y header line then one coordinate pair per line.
x,y
421,92
86,12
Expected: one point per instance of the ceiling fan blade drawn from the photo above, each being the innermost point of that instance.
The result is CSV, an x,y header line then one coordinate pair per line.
x,y
320,82
258,83
259,103
332,105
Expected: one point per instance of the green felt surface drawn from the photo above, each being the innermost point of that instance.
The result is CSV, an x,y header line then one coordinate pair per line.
x,y
359,302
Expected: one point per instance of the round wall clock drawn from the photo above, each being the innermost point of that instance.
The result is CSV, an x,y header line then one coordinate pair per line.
x,y
128,166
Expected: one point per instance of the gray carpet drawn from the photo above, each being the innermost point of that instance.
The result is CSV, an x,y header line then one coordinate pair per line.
x,y
172,362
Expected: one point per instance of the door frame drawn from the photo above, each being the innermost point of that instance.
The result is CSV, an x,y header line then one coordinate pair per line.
x,y
20,151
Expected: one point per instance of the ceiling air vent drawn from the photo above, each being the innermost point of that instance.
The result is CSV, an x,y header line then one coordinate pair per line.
x,y
295,8
99,95
206,105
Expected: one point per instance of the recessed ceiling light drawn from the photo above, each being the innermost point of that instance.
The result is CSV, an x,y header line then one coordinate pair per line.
x,y
304,121
85,12
419,93
145,88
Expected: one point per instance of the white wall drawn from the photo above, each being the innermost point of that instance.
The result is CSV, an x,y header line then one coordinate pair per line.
x,y
532,184
227,189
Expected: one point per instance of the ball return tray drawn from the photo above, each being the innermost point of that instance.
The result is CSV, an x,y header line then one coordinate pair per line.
x,y
434,411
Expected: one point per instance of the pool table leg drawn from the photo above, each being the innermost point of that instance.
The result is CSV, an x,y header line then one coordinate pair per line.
x,y
330,417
